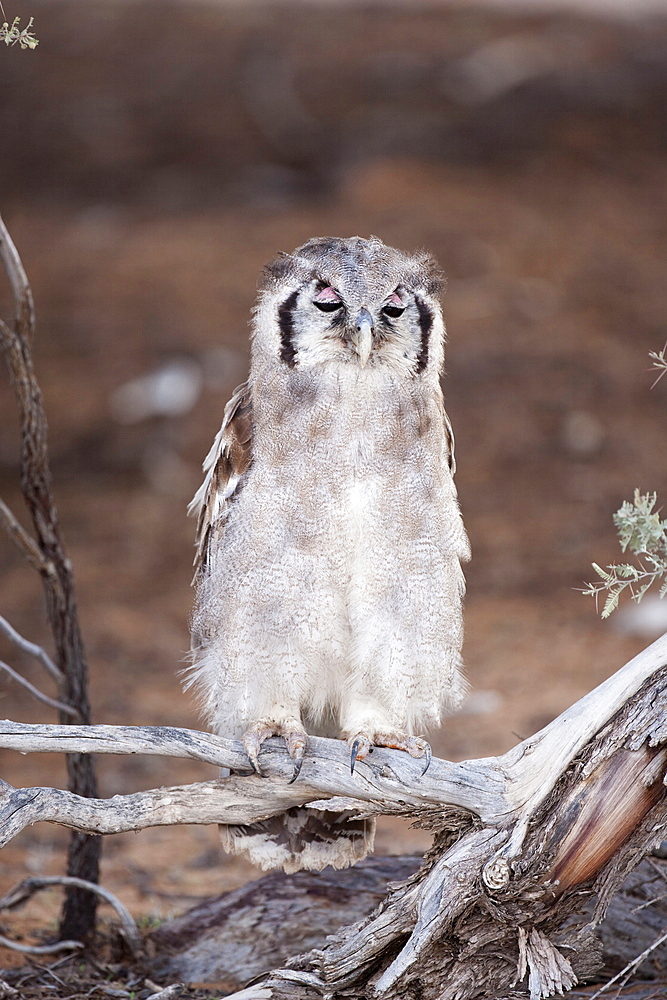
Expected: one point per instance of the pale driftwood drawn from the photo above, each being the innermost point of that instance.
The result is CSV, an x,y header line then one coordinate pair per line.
x,y
387,782
502,791
521,840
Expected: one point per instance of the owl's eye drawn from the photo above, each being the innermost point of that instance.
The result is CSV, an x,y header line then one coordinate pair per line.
x,y
328,300
394,307
328,307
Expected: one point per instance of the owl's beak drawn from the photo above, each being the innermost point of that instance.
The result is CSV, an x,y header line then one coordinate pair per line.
x,y
363,340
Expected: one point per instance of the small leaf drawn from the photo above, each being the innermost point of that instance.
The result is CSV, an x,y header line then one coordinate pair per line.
x,y
611,603
626,571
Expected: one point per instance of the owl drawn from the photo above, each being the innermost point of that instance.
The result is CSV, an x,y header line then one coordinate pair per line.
x,y
329,586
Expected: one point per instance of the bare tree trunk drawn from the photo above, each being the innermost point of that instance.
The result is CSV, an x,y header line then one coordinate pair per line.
x,y
78,916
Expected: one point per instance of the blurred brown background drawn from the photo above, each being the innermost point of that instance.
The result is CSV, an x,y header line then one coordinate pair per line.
x,y
155,155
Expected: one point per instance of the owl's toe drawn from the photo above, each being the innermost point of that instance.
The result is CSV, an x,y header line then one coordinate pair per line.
x,y
414,745
296,741
251,745
252,741
293,733
361,744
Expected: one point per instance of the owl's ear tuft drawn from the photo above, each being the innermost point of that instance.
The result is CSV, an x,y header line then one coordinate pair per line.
x,y
287,267
429,273
276,270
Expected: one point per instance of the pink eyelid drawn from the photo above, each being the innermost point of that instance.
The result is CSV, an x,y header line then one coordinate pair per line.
x,y
395,300
328,294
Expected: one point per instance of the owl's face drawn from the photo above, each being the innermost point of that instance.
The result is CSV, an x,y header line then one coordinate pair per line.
x,y
353,302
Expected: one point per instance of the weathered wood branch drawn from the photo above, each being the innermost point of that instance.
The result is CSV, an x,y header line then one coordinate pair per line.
x,y
386,782
502,791
47,553
522,840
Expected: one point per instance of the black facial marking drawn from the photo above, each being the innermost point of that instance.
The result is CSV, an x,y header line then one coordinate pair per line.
x,y
286,324
425,323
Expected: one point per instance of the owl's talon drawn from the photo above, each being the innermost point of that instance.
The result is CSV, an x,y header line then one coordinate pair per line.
x,y
297,757
427,759
253,757
360,747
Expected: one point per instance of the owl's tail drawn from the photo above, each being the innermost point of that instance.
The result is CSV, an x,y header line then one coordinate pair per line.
x,y
302,838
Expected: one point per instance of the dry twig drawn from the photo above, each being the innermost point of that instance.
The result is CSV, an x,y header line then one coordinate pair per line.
x,y
78,918
25,890
630,967
30,647
40,949
36,693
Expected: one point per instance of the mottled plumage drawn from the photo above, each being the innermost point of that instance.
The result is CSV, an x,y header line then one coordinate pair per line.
x,y
329,581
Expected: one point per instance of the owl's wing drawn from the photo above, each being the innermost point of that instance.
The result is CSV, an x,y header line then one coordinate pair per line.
x,y
459,538
225,466
449,435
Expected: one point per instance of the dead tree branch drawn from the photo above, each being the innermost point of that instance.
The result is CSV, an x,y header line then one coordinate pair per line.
x,y
60,706
30,647
522,841
24,543
40,654
48,555
40,949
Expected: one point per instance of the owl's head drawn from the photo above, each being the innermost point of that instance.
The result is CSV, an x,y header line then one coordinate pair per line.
x,y
354,302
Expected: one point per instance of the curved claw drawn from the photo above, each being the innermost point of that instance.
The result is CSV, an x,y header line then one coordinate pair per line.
x,y
252,745
353,755
427,759
298,762
254,762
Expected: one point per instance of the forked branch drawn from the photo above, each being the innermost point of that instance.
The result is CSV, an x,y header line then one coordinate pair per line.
x,y
521,841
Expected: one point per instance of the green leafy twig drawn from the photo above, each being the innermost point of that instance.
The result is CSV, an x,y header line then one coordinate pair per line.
x,y
640,530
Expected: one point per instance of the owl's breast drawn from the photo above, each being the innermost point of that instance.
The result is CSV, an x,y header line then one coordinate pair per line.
x,y
341,458
344,419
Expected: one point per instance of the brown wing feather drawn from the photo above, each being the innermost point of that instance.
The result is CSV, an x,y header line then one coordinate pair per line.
x,y
225,466
449,434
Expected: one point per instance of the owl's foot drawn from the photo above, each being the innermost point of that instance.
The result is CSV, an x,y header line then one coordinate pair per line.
x,y
293,733
362,743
